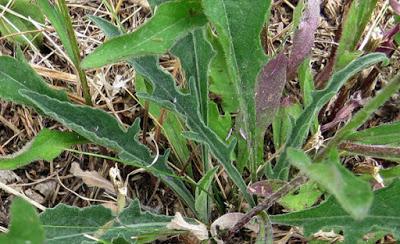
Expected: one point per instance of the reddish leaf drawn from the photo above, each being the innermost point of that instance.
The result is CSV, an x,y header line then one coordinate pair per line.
x,y
269,89
265,188
303,39
395,6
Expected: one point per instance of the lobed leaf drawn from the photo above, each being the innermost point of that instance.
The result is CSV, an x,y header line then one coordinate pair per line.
x,y
23,215
66,224
47,145
237,31
101,128
383,215
172,127
172,21
16,75
166,94
353,194
319,99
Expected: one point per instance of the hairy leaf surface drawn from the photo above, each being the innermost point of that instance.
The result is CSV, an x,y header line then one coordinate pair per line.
x,y
166,94
353,194
101,128
11,24
383,215
303,38
66,224
238,25
25,225
16,75
172,21
383,135
47,145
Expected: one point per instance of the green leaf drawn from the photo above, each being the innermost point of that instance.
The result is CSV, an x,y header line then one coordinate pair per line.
x,y
133,224
172,21
305,197
166,94
47,145
11,24
383,215
221,85
220,124
202,192
353,194
59,18
283,123
384,134
16,75
195,53
25,225
238,25
101,128
356,20
66,224
320,98
172,127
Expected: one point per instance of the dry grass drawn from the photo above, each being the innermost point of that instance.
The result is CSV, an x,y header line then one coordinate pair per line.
x,y
51,183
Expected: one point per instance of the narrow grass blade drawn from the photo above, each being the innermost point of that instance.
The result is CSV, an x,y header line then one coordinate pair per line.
x,y
356,20
384,134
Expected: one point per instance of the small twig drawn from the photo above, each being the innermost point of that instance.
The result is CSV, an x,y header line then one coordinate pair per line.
x,y
371,150
18,194
290,186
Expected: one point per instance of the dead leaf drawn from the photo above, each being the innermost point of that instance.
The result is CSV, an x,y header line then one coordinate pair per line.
x,y
179,223
8,176
227,221
92,178
46,188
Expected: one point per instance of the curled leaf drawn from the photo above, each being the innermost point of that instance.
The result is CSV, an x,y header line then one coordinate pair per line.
x,y
227,221
179,223
92,178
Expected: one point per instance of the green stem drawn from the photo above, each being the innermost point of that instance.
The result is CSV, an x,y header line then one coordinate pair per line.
x,y
362,116
76,58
